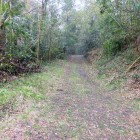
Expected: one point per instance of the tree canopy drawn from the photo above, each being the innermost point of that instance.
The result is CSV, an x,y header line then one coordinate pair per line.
x,y
36,31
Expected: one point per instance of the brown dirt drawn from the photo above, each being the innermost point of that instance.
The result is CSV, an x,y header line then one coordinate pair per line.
x,y
80,109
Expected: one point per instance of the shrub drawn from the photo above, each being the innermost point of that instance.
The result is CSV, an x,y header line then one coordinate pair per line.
x,y
112,46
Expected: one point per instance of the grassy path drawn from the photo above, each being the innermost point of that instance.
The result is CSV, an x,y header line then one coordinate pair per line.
x,y
64,103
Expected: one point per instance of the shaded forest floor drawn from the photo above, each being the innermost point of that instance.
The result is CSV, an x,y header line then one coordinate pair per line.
x,y
66,102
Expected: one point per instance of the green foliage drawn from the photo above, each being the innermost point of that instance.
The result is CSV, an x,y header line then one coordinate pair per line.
x,y
28,37
47,33
57,53
114,23
113,46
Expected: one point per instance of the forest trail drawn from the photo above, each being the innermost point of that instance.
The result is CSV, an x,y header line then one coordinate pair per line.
x,y
76,108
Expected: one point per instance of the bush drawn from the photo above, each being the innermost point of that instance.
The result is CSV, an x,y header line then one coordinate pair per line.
x,y
112,46
57,52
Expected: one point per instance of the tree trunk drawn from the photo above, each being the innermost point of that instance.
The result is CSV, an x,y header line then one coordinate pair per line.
x,y
38,47
1,3
50,44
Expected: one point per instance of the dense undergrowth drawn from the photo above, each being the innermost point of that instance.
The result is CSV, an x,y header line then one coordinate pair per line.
x,y
29,36
113,72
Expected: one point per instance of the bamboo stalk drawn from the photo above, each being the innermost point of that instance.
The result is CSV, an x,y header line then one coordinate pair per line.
x,y
38,47
1,3
28,7
132,64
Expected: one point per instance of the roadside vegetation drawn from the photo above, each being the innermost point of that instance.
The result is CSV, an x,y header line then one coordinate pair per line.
x,y
34,32
36,38
32,87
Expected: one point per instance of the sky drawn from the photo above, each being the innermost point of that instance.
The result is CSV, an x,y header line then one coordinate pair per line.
x,y
79,3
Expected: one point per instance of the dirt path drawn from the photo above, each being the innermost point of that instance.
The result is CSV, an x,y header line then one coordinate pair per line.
x,y
78,109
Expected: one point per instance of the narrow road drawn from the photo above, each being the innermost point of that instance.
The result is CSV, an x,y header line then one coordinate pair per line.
x,y
87,112
78,109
